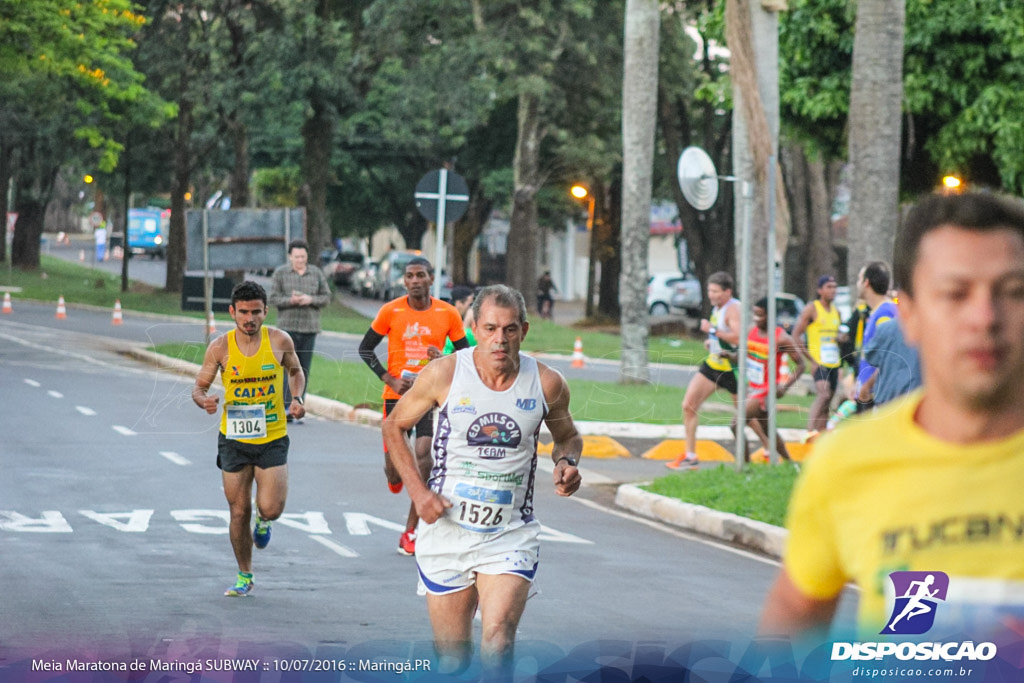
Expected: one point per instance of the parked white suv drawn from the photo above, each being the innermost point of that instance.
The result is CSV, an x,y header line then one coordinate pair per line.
x,y
668,291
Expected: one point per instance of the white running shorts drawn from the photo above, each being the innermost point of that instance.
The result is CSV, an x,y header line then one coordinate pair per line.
x,y
449,557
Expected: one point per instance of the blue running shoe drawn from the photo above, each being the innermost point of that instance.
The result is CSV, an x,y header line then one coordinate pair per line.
x,y
261,533
242,588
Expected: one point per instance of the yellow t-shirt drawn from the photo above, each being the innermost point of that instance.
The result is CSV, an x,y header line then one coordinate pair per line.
x,y
253,381
821,336
881,495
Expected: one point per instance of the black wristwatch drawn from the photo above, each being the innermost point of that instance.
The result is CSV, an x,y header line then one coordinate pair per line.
x,y
299,399
572,463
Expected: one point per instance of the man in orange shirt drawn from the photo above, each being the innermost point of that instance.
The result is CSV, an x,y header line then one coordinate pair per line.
x,y
416,327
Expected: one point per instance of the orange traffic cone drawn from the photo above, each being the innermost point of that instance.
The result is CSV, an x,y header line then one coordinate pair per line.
x,y
7,303
211,326
783,371
577,353
118,318
62,312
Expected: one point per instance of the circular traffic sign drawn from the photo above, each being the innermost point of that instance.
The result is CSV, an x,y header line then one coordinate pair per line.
x,y
442,196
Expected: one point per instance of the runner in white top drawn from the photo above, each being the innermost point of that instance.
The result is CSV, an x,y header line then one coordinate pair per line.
x,y
477,538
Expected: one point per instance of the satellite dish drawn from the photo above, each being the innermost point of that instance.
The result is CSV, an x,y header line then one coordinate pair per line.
x,y
697,178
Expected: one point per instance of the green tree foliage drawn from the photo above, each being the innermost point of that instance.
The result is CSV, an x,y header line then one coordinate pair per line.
x,y
67,83
962,78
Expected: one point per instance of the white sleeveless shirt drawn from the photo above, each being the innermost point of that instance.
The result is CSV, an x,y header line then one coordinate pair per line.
x,y
485,447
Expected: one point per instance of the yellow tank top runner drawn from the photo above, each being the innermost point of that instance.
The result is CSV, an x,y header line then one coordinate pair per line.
x,y
717,320
254,410
821,336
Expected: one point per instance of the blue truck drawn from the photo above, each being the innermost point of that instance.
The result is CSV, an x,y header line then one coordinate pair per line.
x,y
147,231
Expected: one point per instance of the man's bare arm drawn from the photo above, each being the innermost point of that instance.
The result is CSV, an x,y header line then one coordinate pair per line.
x,y
568,446
789,612
430,388
207,373
807,316
282,341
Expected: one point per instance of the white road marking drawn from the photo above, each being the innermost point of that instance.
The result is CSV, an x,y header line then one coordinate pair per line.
x,y
32,383
136,521
310,522
55,394
48,522
336,547
85,411
200,515
358,523
175,458
122,430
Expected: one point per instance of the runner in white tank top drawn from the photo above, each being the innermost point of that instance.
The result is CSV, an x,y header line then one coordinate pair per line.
x,y
477,540
485,448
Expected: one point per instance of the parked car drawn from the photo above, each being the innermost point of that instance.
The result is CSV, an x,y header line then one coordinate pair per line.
x,y
787,310
688,295
662,288
342,265
390,269
363,280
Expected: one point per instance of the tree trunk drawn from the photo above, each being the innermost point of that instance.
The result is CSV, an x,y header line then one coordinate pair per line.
x,y
33,191
238,184
318,139
639,117
754,42
521,260
794,164
608,237
821,255
28,230
465,232
876,91
176,237
6,172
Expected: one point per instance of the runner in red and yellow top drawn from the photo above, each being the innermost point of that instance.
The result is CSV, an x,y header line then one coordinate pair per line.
x,y
757,373
820,319
416,327
252,446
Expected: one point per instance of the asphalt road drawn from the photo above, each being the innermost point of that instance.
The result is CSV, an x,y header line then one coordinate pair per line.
x,y
113,539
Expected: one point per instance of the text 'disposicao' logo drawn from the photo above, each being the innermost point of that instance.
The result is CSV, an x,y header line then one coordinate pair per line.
x,y
918,595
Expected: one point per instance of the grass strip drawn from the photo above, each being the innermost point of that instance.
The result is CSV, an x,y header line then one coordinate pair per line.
x,y
758,492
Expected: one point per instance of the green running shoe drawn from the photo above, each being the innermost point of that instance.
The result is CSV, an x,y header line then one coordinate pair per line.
x,y
242,588
261,533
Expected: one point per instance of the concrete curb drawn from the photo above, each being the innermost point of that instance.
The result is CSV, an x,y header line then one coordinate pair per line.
x,y
749,533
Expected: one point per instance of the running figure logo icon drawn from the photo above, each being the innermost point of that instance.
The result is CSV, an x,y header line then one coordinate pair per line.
x,y
917,597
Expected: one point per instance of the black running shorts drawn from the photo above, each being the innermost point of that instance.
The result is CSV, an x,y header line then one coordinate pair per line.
x,y
234,455
830,375
425,427
722,379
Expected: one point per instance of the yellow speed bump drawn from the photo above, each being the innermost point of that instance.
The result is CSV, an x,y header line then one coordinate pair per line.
x,y
798,451
594,447
707,451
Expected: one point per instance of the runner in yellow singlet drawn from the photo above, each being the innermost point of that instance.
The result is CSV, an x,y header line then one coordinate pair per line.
x,y
723,330
252,445
820,319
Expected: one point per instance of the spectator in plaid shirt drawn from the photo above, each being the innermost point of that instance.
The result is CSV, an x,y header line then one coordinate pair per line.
x,y
299,291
